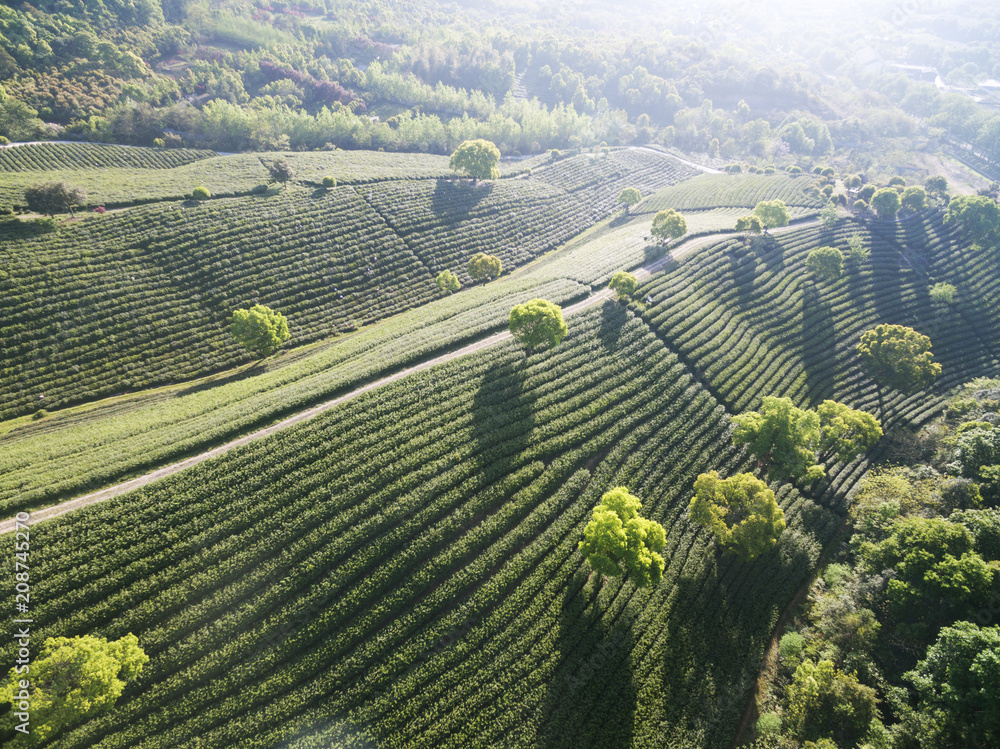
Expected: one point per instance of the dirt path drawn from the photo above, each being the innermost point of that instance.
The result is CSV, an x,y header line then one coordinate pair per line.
x,y
679,252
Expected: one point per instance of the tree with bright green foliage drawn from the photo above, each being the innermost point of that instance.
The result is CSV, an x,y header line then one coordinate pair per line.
x,y
329,182
201,193
619,541
623,284
886,202
785,439
942,292
914,198
260,330
448,281
668,224
822,702
630,196
72,679
958,690
537,322
748,225
829,216
898,357
936,185
478,158
772,213
857,250
976,215
483,267
826,263
740,511
54,197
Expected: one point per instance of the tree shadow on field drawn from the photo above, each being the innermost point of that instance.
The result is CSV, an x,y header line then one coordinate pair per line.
x,y
591,697
770,250
502,417
818,341
887,280
743,274
614,316
458,196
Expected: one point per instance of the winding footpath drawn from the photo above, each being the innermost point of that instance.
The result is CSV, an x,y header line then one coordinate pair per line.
x,y
678,253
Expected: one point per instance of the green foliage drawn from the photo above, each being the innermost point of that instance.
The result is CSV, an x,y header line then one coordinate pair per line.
x,y
668,224
201,193
537,322
958,689
483,267
623,284
897,181
630,196
740,511
477,158
826,263
280,171
54,197
977,215
772,213
791,647
260,330
857,250
898,357
978,445
914,198
984,525
329,182
448,281
748,225
886,202
768,725
617,540
943,293
782,438
936,185
829,216
73,679
845,432
825,703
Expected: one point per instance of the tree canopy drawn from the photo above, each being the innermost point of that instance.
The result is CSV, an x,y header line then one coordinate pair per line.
x,y
280,171
826,263
825,703
740,511
623,284
483,267
618,541
54,197
772,213
914,198
478,158
668,224
630,196
845,432
748,225
976,215
898,357
260,330
448,281
886,202
72,679
537,322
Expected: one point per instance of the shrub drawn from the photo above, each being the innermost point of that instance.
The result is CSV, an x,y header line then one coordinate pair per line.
x,y
329,182
41,413
201,193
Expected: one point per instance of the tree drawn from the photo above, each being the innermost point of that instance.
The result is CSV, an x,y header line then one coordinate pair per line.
x,y
898,357
942,292
537,322
845,432
200,193
886,202
914,198
749,225
617,540
772,214
623,284
483,267
668,224
477,158
825,703
280,171
782,437
826,263
329,182
856,248
829,216
740,511
448,281
936,185
976,215
54,197
630,196
958,689
260,330
72,679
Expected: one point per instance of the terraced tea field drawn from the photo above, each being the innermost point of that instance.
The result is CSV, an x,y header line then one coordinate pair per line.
x,y
732,191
